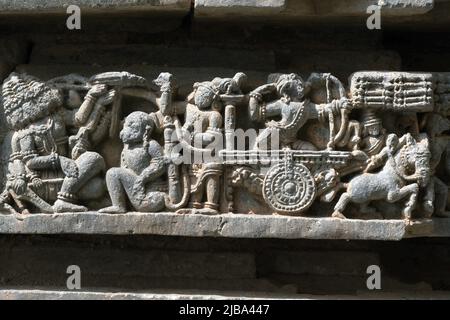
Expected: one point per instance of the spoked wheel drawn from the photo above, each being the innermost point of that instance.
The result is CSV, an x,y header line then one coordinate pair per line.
x,y
289,189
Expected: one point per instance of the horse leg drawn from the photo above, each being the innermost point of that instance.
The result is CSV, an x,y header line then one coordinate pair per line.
x,y
340,206
398,194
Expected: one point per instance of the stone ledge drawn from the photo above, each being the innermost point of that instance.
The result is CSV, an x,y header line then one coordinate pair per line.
x,y
225,225
54,294
308,8
217,8
55,6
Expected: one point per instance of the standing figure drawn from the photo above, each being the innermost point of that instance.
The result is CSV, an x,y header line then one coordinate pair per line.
x,y
436,196
140,176
202,136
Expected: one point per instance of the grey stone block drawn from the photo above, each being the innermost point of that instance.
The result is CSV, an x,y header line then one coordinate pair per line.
x,y
225,225
232,7
132,264
278,9
342,263
405,7
48,294
33,6
12,52
153,55
185,77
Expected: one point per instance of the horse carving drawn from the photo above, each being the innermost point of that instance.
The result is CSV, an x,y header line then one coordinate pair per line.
x,y
406,168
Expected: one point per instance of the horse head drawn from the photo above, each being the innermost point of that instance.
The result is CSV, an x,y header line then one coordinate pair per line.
x,y
416,156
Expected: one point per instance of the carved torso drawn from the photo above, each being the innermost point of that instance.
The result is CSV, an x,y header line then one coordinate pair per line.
x,y
200,120
137,158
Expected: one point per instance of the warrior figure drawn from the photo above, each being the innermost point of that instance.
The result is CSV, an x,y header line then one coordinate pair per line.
x,y
202,134
39,168
290,104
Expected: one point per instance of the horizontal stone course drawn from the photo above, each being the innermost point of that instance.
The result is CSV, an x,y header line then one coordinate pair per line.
x,y
306,8
27,6
225,225
49,294
218,8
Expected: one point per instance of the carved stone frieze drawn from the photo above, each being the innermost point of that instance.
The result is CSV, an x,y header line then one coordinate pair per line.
x,y
313,147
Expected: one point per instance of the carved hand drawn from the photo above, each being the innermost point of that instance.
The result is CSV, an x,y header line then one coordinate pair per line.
x,y
266,88
37,183
108,98
97,90
19,185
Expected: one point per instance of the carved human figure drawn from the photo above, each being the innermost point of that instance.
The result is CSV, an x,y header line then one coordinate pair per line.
x,y
374,135
201,135
435,199
39,169
139,178
99,113
92,119
291,106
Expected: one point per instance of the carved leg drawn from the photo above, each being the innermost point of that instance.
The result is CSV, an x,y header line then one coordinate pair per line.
x,y
212,192
197,197
120,183
396,195
153,202
340,206
89,165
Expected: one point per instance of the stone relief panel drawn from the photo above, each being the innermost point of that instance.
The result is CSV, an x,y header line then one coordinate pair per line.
x,y
377,148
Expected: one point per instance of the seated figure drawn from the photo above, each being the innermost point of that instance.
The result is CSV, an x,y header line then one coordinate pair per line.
x,y
139,178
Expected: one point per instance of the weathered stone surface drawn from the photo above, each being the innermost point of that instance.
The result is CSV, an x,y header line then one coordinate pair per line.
x,y
148,264
232,7
12,52
322,263
33,6
185,75
153,55
304,8
343,62
225,225
405,7
48,294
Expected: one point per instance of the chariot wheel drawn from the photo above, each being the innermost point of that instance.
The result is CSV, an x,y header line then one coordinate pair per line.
x,y
289,190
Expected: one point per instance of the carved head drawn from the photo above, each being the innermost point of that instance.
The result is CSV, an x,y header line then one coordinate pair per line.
x,y
206,96
137,128
372,125
27,99
416,156
422,161
290,86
